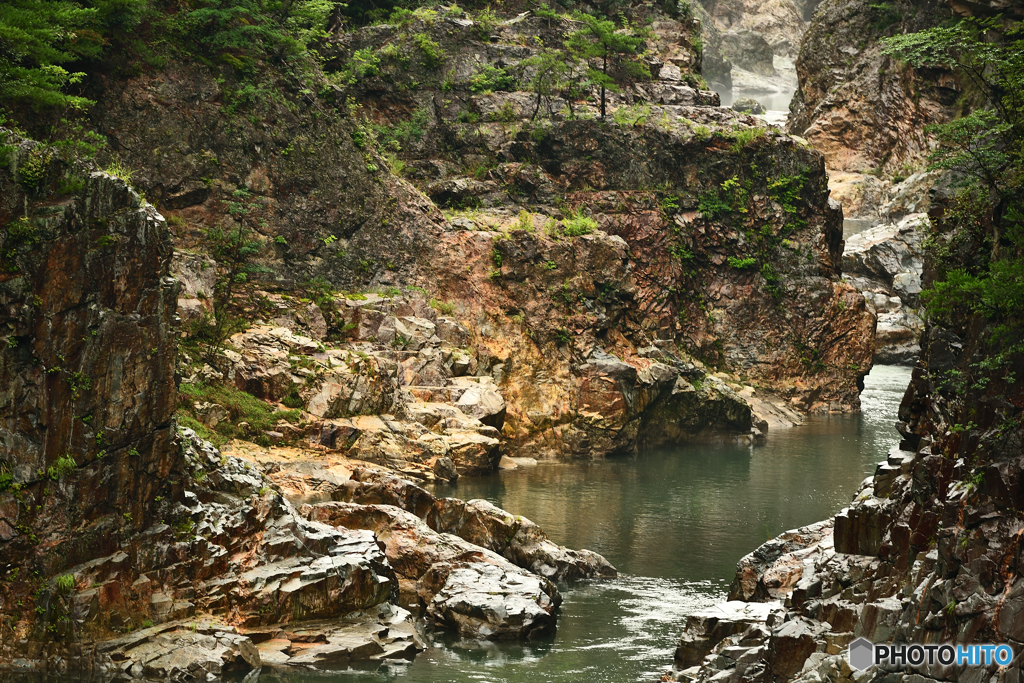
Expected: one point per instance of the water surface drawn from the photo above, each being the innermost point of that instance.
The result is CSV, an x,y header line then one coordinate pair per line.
x,y
674,523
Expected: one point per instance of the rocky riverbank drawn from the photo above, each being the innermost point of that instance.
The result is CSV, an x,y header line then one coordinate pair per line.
x,y
135,551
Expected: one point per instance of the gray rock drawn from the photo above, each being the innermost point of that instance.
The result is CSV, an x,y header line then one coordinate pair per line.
x,y
489,602
749,50
748,105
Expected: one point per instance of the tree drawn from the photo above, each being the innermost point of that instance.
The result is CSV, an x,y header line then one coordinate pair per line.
x,y
36,38
554,72
981,259
602,39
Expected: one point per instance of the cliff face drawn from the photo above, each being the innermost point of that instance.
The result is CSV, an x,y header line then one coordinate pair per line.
x,y
862,109
87,363
928,552
709,240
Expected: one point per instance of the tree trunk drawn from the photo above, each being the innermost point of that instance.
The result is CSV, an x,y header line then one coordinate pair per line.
x,y
604,70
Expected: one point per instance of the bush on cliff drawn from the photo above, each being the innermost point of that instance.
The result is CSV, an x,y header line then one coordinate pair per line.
x,y
980,254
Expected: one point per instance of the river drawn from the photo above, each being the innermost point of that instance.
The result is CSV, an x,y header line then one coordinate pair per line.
x,y
674,523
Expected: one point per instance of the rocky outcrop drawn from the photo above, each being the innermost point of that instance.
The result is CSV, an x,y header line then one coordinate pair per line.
x,y
862,109
748,50
86,366
781,23
928,550
458,585
885,264
477,522
642,268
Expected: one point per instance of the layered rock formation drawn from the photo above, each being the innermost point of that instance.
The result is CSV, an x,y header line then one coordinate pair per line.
x,y
867,112
595,309
112,525
781,23
87,362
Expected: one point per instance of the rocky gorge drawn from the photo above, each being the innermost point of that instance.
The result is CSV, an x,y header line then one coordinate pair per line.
x,y
268,312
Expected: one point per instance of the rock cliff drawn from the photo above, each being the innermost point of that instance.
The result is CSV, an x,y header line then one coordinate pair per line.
x,y
133,550
927,552
592,269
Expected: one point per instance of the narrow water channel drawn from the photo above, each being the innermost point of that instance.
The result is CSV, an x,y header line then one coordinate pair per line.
x,y
674,523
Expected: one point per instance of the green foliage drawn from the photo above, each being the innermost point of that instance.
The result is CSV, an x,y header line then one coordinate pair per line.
x,y
242,407
554,73
412,129
64,584
745,136
442,307
493,78
363,64
743,263
241,30
980,258
432,56
733,197
577,223
620,47
119,169
486,21
633,115
682,252
36,38
886,14
62,466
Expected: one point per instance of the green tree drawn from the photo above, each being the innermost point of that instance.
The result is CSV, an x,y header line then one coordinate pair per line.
x,y
614,46
37,37
551,73
981,258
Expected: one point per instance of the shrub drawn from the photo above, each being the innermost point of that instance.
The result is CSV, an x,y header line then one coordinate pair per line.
x,y
577,223
433,55
492,78
743,263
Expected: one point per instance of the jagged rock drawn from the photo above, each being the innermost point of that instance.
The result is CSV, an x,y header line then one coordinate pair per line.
x,y
706,629
838,106
791,645
482,401
886,264
371,387
90,338
774,569
183,652
859,528
464,587
491,602
198,277
781,24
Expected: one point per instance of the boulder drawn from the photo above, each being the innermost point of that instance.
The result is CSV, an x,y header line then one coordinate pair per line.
x,y
482,401
748,105
491,602
176,652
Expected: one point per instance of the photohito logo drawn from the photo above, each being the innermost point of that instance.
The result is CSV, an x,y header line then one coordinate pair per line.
x,y
863,654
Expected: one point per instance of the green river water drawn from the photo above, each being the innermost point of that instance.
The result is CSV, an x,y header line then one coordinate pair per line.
x,y
674,523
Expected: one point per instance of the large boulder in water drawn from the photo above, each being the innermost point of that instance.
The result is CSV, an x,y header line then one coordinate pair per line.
x,y
748,105
487,601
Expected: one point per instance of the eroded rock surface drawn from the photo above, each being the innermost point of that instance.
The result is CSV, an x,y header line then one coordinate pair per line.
x,y
885,263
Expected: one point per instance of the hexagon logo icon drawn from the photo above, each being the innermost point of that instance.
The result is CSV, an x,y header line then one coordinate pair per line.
x,y
861,654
